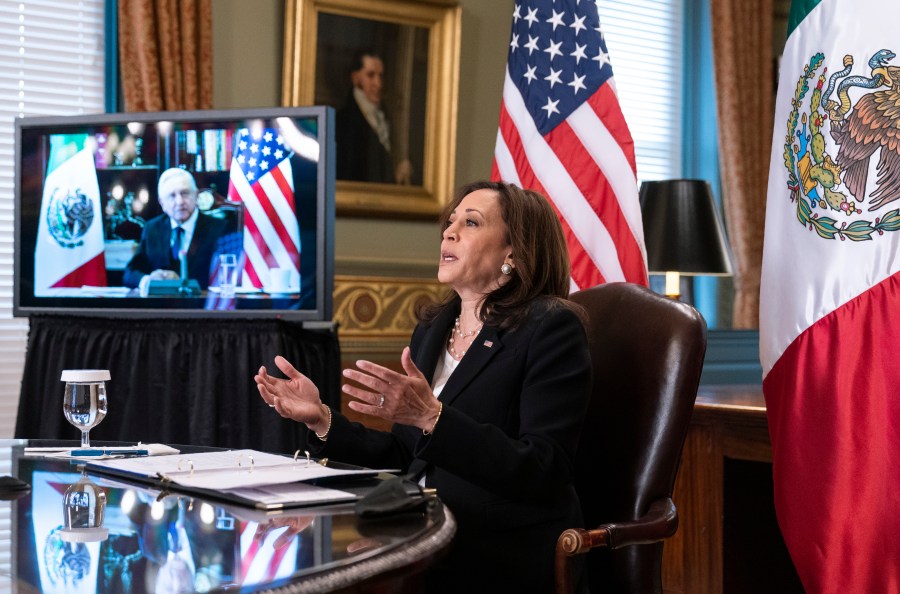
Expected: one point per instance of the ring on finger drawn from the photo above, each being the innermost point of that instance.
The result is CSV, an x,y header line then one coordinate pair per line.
x,y
380,400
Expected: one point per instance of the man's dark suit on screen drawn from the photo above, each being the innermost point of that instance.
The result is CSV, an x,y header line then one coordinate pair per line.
x,y
501,454
360,155
155,251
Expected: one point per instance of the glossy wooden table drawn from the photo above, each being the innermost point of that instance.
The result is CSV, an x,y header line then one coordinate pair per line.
x,y
83,532
729,422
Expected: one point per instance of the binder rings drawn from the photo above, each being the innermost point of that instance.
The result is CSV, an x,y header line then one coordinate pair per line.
x,y
247,477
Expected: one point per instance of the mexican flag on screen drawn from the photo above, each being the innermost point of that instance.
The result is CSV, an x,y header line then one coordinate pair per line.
x,y
69,248
830,295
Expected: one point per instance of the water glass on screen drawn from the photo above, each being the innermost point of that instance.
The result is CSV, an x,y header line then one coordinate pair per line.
x,y
279,280
84,402
227,274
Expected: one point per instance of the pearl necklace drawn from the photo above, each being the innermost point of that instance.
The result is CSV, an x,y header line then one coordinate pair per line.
x,y
462,336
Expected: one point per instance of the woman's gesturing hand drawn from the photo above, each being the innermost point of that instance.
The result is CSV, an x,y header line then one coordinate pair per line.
x,y
405,399
294,398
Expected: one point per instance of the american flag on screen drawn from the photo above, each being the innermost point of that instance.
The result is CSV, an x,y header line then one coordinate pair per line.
x,y
261,178
563,134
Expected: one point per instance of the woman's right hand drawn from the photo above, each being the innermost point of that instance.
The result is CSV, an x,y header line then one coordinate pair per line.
x,y
294,398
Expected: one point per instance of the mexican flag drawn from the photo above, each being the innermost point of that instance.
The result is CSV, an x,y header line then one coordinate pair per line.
x,y
69,249
830,295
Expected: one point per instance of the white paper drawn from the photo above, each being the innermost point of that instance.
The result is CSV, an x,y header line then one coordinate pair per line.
x,y
272,495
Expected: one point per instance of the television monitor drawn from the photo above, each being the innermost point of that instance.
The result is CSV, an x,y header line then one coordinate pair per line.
x,y
94,237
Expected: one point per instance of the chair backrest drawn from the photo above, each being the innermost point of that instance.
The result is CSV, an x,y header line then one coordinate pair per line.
x,y
647,353
218,206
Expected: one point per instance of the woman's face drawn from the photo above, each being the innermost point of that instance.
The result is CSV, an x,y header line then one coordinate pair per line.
x,y
474,246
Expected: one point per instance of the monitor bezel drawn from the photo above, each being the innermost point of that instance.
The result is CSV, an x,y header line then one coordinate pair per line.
x,y
325,198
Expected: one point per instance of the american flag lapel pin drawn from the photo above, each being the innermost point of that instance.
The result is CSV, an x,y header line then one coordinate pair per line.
x,y
488,343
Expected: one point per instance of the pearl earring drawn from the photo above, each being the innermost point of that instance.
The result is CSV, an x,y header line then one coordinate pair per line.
x,y
506,269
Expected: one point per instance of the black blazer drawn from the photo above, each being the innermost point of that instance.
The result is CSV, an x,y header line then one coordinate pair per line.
x,y
501,455
155,252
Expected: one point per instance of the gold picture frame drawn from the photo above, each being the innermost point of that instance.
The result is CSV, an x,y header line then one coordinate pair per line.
x,y
425,89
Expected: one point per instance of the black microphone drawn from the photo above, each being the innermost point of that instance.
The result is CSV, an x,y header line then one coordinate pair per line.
x,y
185,288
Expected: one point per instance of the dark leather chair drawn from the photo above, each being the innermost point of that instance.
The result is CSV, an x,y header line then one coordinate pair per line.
x,y
647,352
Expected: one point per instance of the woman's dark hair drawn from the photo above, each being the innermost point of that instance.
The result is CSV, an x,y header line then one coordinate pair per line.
x,y
539,253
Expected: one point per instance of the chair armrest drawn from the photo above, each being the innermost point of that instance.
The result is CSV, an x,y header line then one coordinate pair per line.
x,y
659,523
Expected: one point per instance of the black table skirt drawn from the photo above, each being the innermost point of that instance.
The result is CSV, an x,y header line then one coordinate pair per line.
x,y
174,381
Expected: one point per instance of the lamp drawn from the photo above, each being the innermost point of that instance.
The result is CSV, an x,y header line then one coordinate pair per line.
x,y
682,231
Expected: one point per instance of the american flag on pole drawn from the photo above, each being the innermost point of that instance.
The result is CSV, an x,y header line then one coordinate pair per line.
x,y
262,180
562,133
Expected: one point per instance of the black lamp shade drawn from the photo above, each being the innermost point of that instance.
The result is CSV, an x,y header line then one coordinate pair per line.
x,y
682,230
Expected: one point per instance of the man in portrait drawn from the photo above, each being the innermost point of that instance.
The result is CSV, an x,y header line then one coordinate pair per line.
x,y
181,229
363,133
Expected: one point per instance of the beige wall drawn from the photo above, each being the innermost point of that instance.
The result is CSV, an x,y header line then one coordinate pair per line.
x,y
247,45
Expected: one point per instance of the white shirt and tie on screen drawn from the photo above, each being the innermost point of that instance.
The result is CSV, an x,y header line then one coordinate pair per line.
x,y
182,233
165,252
178,199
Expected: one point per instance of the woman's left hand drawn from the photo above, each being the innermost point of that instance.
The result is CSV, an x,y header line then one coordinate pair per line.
x,y
405,399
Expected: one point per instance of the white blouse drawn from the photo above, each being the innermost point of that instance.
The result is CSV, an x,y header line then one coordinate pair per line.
x,y
445,366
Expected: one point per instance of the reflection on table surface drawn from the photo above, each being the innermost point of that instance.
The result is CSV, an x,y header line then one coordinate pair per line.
x,y
78,531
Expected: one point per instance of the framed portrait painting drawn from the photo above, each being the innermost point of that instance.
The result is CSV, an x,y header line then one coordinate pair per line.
x,y
390,68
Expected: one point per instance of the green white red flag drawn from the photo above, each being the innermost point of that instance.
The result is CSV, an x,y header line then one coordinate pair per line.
x,y
830,295
69,252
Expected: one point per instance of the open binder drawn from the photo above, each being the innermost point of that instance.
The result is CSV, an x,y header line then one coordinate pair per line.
x,y
267,482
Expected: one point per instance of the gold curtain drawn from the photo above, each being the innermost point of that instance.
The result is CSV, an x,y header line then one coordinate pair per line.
x,y
165,54
743,63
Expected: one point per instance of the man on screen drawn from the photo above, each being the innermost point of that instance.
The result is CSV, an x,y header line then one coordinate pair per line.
x,y
181,229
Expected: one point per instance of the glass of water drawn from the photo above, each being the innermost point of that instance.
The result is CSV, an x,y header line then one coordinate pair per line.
x,y
84,403
227,274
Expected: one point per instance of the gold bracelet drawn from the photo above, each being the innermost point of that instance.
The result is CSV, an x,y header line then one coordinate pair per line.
x,y
436,419
324,436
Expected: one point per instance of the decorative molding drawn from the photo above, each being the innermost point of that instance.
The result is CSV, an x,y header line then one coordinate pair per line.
x,y
377,314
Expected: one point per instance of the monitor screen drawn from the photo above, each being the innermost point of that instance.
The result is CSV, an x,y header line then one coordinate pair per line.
x,y
204,213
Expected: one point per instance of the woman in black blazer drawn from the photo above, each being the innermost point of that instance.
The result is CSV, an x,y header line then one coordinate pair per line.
x,y
489,408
